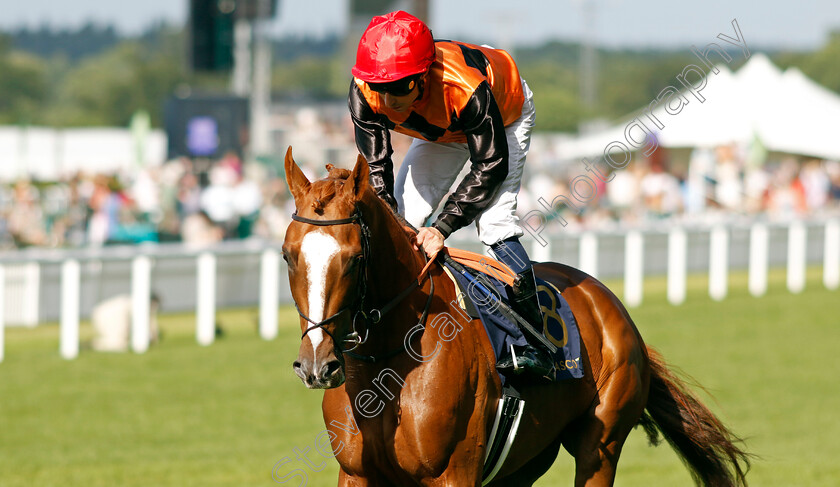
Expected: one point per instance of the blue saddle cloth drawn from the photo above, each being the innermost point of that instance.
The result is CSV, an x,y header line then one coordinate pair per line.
x,y
559,324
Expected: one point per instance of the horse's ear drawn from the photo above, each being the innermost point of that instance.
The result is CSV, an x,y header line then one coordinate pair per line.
x,y
358,183
298,184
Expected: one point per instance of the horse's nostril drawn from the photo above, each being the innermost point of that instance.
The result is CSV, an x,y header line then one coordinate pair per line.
x,y
299,371
331,368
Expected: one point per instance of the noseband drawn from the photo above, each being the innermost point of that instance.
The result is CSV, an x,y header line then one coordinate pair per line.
x,y
357,307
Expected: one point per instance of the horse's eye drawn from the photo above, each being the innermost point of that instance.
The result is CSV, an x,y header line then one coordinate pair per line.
x,y
287,258
354,262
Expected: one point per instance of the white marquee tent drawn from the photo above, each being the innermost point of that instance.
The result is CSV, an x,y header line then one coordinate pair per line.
x,y
787,111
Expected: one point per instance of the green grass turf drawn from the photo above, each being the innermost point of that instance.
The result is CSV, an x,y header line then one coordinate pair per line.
x,y
224,415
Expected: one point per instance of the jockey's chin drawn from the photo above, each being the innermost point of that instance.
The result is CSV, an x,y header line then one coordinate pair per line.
x,y
400,107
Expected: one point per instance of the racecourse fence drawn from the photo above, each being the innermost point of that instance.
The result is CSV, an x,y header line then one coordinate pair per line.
x,y
40,285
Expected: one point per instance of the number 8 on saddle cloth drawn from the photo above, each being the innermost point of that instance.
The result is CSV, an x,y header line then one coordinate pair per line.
x,y
559,325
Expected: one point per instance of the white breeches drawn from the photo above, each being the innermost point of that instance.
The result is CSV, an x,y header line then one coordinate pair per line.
x,y
430,168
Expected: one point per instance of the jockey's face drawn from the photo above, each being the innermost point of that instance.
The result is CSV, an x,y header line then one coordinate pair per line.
x,y
401,103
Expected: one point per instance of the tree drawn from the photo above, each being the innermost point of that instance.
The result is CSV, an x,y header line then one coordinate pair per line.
x,y
311,77
555,95
23,85
109,88
821,66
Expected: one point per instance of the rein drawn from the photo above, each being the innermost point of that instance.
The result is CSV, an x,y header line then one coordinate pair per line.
x,y
357,307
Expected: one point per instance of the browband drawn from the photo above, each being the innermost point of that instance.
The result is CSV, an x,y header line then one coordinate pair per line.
x,y
326,223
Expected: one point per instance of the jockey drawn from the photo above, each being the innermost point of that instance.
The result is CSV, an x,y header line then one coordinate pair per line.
x,y
459,102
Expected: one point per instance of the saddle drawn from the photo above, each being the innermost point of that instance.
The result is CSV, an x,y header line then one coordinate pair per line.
x,y
559,326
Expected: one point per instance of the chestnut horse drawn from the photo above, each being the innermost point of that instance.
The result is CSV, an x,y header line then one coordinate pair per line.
x,y
410,391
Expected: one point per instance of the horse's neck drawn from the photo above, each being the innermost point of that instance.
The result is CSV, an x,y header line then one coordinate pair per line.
x,y
394,263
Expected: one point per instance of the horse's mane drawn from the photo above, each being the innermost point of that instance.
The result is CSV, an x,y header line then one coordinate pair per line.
x,y
325,190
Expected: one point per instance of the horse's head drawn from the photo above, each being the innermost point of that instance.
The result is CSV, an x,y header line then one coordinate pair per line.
x,y
325,251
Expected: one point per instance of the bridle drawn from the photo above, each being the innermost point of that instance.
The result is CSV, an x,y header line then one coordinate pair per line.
x,y
357,307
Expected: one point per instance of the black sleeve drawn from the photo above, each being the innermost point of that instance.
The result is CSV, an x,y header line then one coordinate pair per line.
x,y
374,143
482,123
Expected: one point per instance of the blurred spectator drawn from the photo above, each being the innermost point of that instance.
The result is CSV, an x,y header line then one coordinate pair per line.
x,y
729,189
188,196
661,191
756,187
832,169
105,205
275,214
786,197
815,183
701,167
623,192
26,220
217,198
145,193
247,200
200,231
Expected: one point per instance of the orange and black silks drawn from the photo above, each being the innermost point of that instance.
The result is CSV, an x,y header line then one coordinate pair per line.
x,y
470,94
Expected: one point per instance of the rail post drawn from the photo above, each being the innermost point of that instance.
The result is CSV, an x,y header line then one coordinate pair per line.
x,y
69,334
206,299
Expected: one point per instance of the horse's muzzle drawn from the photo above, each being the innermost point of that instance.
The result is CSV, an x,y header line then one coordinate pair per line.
x,y
322,375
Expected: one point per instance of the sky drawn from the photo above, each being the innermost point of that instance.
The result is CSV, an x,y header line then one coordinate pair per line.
x,y
801,24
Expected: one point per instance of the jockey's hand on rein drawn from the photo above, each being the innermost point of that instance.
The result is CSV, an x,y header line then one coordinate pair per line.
x,y
430,239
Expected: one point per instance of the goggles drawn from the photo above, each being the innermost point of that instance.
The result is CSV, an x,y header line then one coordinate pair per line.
x,y
401,87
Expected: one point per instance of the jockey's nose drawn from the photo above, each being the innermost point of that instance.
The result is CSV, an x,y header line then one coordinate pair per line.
x,y
394,103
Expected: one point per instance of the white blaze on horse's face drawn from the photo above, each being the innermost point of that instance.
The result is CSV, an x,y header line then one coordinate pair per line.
x,y
318,250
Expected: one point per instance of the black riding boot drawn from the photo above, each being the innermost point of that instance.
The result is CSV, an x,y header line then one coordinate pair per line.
x,y
533,358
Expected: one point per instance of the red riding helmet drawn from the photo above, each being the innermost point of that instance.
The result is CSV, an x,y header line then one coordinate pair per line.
x,y
394,46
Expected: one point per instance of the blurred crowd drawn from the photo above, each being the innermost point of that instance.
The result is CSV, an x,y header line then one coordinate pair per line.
x,y
715,184
201,202
196,202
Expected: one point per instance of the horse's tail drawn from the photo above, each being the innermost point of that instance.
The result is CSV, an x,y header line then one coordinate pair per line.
x,y
706,446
